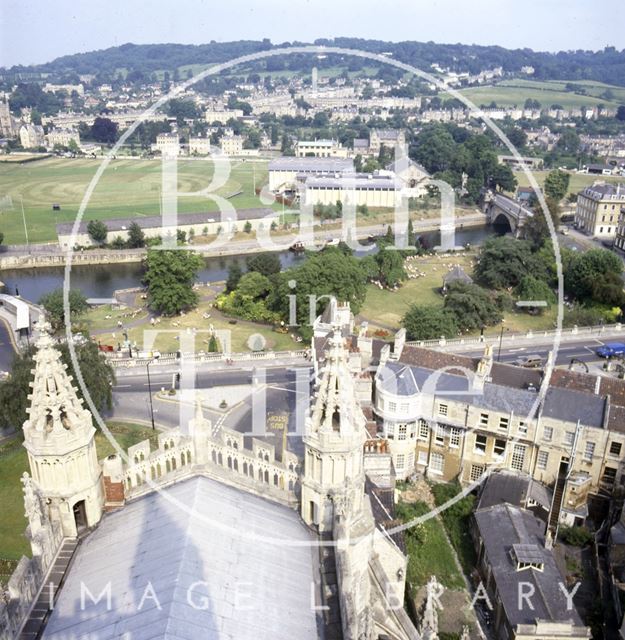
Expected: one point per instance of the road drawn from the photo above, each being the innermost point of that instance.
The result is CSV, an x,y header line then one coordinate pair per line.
x,y
279,390
583,349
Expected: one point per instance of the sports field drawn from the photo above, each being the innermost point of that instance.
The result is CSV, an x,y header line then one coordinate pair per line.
x,y
127,188
578,181
516,92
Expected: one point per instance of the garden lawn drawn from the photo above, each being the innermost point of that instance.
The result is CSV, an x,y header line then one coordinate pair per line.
x,y
384,309
168,341
13,463
429,553
456,519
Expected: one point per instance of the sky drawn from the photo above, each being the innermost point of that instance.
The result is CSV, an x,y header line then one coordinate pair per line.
x,y
36,31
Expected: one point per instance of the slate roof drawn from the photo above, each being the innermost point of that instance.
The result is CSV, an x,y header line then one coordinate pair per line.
x,y
571,406
311,165
354,181
502,526
514,488
405,380
151,222
154,541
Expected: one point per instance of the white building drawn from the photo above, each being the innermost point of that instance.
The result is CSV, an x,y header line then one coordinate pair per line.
x,y
320,149
199,146
379,189
222,115
283,172
598,208
168,144
232,145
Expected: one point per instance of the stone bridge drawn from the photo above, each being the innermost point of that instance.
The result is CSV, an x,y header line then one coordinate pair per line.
x,y
499,209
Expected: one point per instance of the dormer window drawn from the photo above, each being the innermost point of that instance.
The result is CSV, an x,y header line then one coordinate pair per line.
x,y
527,556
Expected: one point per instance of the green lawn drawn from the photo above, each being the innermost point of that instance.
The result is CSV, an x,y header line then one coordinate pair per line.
x,y
128,188
456,519
384,309
577,182
515,92
13,463
429,553
96,320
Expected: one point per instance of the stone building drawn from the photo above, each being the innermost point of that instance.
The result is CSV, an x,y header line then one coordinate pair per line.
x,y
389,138
62,137
8,125
168,144
598,209
59,437
320,149
201,536
32,136
450,416
283,172
231,145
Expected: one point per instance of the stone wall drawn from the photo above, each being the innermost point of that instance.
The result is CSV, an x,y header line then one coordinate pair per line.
x,y
45,536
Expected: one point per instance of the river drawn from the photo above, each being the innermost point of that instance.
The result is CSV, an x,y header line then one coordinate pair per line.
x,y
101,281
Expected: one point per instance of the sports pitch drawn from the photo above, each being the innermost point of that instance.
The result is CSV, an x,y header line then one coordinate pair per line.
x,y
127,188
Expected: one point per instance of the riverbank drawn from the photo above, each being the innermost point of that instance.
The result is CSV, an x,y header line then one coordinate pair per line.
x,y
48,255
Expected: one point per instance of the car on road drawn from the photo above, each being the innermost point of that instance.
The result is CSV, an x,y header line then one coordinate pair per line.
x,y
611,349
531,362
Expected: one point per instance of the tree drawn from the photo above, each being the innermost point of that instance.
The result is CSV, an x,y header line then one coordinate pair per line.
x,y
104,130
213,346
327,273
391,266
97,231
265,263
136,237
254,285
97,373
503,262
53,304
169,276
472,306
557,184
517,137
247,227
587,269
429,323
1,237
536,229
234,275
503,178
535,290
620,113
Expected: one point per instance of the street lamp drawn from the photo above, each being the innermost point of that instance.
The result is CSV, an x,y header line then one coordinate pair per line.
x,y
500,341
147,368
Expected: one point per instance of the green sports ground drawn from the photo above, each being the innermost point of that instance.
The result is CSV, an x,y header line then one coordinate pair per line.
x,y
128,187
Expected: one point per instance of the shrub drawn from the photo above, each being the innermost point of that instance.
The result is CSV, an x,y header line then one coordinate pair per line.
x,y
575,536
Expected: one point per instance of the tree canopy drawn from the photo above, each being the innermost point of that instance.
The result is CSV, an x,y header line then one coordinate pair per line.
x,y
98,374
429,323
52,302
97,231
170,276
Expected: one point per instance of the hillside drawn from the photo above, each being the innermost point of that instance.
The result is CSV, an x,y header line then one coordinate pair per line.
x,y
607,65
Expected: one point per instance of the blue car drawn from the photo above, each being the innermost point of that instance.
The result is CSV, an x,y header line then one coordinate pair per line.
x,y
611,349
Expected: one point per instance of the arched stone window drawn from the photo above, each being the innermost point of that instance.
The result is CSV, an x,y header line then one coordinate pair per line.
x,y
235,464
290,485
245,468
251,471
167,466
266,457
229,462
266,476
220,459
275,479
214,456
173,464
159,471
260,475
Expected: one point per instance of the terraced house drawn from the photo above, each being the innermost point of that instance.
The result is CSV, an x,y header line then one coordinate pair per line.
x,y
449,416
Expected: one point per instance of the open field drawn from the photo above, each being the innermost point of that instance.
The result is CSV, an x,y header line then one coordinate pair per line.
x,y
128,188
516,92
384,309
578,181
13,463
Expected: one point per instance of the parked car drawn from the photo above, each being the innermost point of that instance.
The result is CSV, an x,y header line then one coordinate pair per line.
x,y
611,349
531,362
